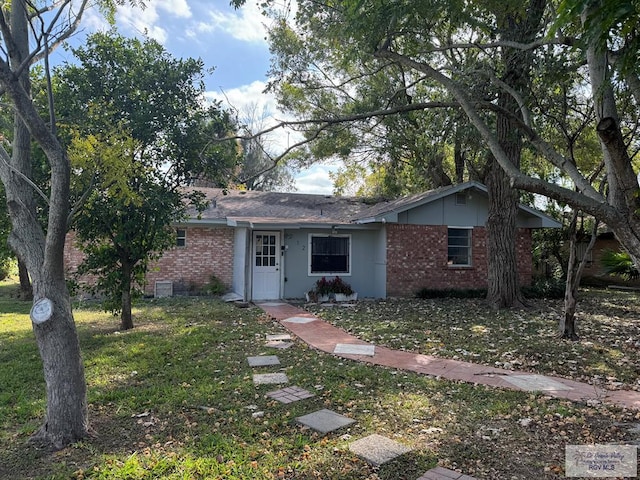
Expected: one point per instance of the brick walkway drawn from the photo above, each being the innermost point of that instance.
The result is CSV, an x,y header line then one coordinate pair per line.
x,y
326,337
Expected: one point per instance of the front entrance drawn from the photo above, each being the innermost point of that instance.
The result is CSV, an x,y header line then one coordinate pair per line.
x,y
266,266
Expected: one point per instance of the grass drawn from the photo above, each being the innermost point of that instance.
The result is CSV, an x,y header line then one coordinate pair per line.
x,y
173,399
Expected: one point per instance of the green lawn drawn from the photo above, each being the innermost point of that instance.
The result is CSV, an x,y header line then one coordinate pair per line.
x,y
174,399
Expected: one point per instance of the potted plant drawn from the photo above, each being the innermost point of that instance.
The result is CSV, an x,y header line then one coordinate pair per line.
x,y
320,292
342,290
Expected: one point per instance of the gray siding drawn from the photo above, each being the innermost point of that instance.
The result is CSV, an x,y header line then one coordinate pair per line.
x,y
445,211
365,262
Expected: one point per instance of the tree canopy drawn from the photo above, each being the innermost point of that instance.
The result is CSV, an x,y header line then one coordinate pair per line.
x,y
138,131
485,63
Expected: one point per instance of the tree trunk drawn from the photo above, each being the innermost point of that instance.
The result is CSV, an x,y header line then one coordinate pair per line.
x,y
126,319
503,289
568,328
567,324
26,290
66,418
622,180
503,283
66,414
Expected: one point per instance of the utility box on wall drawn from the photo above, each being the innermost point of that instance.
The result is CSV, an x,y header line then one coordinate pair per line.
x,y
163,288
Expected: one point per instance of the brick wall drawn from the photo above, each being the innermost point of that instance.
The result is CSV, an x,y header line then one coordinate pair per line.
x,y
417,258
208,250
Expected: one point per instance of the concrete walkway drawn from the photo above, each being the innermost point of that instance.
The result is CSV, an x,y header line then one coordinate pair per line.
x,y
326,337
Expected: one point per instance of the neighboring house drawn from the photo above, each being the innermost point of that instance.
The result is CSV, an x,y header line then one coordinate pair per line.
x,y
268,245
594,270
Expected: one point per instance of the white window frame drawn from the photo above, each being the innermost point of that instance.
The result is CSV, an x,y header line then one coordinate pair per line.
x,y
324,274
182,237
469,247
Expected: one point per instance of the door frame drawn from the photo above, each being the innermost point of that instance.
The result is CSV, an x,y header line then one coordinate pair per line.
x,y
280,257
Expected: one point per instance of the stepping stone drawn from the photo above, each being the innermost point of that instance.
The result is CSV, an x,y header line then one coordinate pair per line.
x,y
377,449
278,337
263,361
440,473
299,320
324,421
535,383
290,394
352,349
279,344
269,378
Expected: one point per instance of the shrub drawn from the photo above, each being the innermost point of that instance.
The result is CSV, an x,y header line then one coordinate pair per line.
x,y
323,287
215,286
545,287
338,285
451,293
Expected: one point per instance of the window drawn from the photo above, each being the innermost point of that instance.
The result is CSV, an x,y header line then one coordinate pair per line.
x,y
461,198
181,237
330,254
459,247
266,251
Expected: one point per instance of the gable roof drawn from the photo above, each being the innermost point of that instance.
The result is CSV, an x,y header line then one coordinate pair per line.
x,y
388,211
235,207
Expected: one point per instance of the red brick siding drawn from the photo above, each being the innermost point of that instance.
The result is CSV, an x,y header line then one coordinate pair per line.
x,y
417,258
208,251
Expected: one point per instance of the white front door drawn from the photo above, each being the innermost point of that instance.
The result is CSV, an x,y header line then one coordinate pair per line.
x,y
266,265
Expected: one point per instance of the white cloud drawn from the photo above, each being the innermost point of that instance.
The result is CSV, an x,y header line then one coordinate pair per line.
x,y
251,98
245,24
315,180
146,21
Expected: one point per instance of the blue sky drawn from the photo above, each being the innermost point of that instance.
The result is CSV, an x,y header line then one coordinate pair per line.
x,y
232,42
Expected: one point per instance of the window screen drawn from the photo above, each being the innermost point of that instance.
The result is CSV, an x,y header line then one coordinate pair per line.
x,y
459,251
330,254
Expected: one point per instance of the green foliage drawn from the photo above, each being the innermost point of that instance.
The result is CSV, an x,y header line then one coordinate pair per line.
x,y
7,267
215,286
545,287
607,23
137,131
425,293
619,264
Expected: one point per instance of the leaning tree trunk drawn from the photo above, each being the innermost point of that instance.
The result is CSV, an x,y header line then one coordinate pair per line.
x,y
26,289
66,413
621,178
567,324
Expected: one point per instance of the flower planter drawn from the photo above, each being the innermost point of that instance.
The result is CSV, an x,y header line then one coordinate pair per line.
x,y
319,299
341,297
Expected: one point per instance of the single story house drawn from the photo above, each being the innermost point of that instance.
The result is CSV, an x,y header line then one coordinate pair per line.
x,y
269,245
